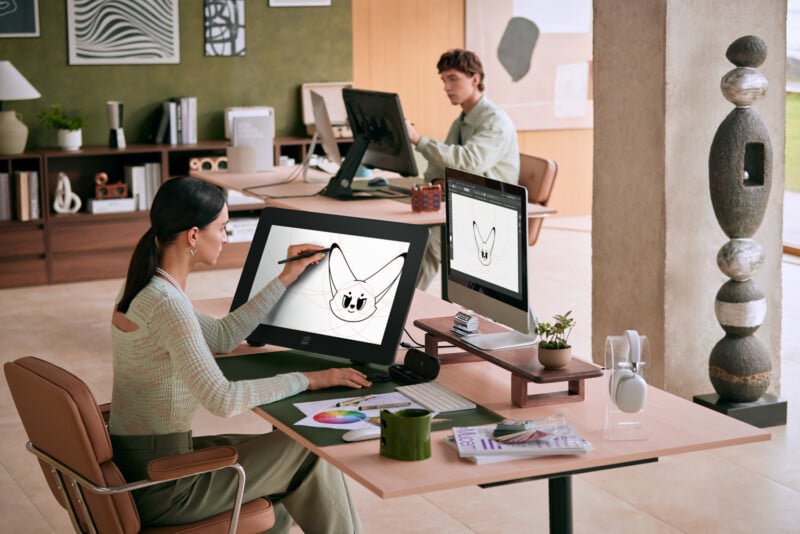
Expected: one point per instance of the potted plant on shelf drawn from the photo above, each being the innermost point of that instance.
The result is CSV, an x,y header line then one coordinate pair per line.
x,y
70,136
555,352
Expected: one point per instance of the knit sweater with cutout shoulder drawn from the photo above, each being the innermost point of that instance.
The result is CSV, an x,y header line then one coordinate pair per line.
x,y
165,370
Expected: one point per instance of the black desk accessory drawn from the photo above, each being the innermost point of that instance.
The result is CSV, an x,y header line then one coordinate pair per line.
x,y
417,366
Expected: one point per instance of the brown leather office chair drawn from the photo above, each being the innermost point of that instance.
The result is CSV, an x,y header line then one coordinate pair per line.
x,y
537,175
67,432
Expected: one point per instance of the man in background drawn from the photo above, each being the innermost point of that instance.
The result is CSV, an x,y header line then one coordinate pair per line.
x,y
482,140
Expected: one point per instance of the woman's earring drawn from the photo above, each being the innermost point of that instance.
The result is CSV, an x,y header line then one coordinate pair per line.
x,y
193,252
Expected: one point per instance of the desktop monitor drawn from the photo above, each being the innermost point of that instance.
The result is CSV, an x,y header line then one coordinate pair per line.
x,y
487,255
324,128
353,304
380,140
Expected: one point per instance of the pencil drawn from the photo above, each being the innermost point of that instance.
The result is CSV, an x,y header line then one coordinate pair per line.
x,y
303,255
382,406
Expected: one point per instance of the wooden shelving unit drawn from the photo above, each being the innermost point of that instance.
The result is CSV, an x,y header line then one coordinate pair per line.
x,y
58,248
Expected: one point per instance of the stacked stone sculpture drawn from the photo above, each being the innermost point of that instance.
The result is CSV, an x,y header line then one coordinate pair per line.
x,y
740,172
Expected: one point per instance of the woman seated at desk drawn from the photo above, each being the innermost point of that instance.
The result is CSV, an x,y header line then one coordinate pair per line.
x,y
164,370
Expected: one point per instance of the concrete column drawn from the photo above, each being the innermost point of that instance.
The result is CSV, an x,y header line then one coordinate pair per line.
x,y
657,71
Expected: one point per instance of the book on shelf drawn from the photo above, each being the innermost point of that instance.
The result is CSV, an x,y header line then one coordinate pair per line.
x,y
34,195
6,210
477,444
166,130
258,132
188,112
23,195
152,171
111,205
135,177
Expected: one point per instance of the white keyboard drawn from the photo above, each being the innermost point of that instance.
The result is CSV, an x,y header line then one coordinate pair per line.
x,y
435,397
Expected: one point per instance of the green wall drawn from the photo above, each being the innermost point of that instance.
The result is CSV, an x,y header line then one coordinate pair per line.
x,y
285,47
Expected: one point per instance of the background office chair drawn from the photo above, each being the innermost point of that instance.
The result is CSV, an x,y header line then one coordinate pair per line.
x,y
67,432
537,175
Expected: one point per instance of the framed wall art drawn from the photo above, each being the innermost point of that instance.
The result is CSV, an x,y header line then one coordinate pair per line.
x,y
537,56
223,22
102,32
19,18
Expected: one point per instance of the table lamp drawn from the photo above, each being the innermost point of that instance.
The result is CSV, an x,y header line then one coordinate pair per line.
x,y
13,86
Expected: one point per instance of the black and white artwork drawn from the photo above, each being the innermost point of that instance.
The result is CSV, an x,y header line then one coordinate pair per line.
x,y
224,27
348,295
112,32
19,18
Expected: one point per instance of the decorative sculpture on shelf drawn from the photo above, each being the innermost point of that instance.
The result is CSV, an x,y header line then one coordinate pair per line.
x,y
740,173
64,200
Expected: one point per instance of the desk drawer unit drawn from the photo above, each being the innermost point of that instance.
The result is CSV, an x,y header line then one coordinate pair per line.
x,y
81,251
22,255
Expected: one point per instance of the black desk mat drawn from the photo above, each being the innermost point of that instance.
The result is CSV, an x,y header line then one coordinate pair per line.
x,y
272,363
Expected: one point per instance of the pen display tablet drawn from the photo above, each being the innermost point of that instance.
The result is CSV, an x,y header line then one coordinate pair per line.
x,y
353,304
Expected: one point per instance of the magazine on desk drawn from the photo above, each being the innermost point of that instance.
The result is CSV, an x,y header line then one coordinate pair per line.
x,y
477,444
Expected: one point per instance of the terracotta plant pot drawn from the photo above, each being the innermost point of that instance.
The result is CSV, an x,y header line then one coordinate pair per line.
x,y
555,358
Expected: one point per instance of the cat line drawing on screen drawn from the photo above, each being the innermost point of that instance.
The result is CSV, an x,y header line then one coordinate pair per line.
x,y
485,246
355,299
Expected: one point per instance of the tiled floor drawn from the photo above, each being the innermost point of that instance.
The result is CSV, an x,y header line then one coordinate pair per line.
x,y
750,488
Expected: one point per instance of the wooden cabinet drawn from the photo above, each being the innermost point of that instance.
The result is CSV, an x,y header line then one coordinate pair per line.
x,y
73,247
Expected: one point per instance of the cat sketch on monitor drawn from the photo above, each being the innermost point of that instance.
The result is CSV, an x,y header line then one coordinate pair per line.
x,y
353,298
485,246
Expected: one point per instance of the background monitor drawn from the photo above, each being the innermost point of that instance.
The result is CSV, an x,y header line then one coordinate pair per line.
x,y
487,254
324,128
354,303
380,139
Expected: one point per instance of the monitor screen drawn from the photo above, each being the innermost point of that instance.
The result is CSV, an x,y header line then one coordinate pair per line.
x,y
353,304
380,139
324,128
487,254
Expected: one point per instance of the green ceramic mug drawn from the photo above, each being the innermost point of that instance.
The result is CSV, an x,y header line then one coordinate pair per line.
x,y
406,434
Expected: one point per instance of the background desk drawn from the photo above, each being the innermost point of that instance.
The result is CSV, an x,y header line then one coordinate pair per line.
x,y
674,425
302,196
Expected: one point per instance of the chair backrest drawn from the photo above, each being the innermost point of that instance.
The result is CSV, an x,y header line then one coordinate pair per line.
x,y
537,175
62,418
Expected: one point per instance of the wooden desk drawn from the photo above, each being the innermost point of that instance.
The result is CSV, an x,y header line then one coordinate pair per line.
x,y
674,426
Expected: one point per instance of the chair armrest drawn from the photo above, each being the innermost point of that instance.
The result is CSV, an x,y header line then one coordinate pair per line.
x,y
191,463
105,411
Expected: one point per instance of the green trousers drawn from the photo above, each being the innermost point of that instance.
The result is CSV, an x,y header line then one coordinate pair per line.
x,y
300,485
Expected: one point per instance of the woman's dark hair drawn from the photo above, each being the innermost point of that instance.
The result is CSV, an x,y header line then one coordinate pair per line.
x,y
180,203
463,61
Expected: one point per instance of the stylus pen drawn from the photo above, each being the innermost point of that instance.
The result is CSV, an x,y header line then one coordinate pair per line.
x,y
382,406
304,255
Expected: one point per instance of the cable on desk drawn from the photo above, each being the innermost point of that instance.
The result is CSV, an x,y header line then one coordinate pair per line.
x,y
417,345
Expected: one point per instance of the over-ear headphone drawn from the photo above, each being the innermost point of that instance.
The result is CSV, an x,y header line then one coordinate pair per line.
x,y
627,387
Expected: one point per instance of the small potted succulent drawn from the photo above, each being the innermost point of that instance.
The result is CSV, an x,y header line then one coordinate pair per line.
x,y
70,136
555,352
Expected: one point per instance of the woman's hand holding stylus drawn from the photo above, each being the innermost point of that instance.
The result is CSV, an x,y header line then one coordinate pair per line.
x,y
293,269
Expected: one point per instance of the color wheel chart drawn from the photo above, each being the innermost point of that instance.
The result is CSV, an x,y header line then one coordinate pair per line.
x,y
339,417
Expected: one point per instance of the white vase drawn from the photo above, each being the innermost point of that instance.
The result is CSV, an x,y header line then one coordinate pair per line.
x,y
70,139
13,133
